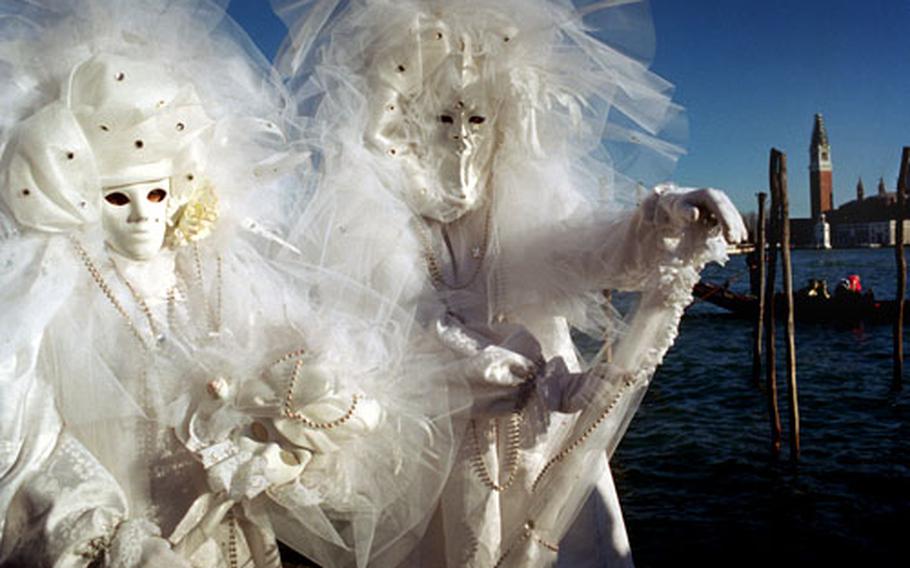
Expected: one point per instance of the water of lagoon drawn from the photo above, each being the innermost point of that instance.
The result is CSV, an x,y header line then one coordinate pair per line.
x,y
695,474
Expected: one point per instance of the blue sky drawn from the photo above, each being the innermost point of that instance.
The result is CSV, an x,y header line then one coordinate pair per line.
x,y
752,75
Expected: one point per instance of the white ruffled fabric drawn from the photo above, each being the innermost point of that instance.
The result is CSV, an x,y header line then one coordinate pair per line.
x,y
129,437
577,120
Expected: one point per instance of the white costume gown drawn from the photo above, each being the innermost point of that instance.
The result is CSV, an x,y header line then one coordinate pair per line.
x,y
188,407
486,121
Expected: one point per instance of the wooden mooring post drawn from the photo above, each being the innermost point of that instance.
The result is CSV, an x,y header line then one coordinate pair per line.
x,y
770,350
897,377
760,259
787,275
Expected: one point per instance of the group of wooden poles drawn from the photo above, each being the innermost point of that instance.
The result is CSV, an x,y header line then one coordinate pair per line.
x,y
779,239
767,247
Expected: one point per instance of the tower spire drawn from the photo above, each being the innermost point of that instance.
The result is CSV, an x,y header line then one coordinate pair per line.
x,y
819,133
860,189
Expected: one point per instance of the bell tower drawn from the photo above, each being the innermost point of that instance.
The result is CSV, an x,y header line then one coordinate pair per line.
x,y
820,178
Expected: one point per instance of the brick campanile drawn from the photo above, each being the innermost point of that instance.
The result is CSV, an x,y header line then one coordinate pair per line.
x,y
821,184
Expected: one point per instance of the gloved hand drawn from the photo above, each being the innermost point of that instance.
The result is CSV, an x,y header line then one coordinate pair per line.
x,y
501,367
677,208
502,356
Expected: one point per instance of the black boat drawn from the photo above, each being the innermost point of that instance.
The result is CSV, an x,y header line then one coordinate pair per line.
x,y
841,308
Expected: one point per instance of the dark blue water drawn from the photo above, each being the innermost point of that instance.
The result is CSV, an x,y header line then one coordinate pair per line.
x,y
695,474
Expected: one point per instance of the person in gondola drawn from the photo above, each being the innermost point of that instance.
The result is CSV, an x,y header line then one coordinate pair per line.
x,y
815,289
849,287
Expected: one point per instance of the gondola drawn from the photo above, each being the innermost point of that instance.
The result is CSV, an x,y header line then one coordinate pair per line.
x,y
847,308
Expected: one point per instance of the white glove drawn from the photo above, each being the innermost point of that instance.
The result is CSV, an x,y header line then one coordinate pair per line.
x,y
678,208
488,362
500,380
501,367
499,375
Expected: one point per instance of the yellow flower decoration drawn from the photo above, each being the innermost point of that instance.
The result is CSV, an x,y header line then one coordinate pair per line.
x,y
195,219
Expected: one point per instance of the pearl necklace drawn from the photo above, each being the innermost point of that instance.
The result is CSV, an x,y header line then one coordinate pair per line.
x,y
154,329
513,449
434,266
105,288
140,301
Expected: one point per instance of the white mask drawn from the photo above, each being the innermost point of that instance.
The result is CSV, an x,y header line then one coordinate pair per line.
x,y
134,218
444,135
448,177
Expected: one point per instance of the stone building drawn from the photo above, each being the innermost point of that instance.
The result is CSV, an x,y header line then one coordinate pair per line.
x,y
867,221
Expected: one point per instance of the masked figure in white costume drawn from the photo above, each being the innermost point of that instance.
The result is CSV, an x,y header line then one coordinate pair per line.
x,y
505,129
179,384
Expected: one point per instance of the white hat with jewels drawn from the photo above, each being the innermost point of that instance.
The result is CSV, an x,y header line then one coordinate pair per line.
x,y
119,121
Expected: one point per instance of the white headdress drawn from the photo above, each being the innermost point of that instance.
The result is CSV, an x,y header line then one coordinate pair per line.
x,y
119,121
560,91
